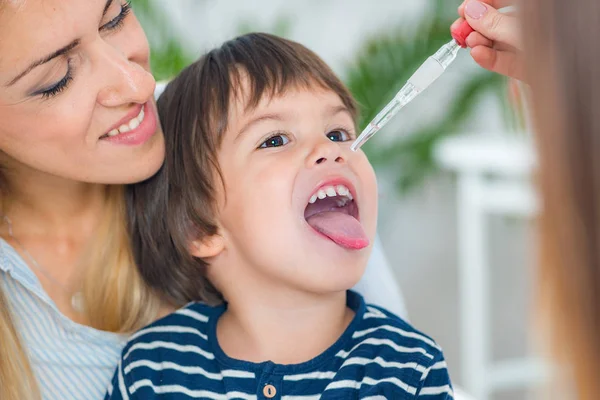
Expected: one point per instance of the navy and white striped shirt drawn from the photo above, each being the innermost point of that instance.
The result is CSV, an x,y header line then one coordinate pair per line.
x,y
379,356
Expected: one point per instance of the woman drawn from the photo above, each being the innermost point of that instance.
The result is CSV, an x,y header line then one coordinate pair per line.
x,y
77,122
560,59
74,77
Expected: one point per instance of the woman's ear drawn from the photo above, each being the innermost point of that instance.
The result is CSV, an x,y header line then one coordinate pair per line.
x,y
208,247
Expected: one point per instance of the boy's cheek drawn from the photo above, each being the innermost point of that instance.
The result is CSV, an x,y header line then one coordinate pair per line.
x,y
371,198
368,180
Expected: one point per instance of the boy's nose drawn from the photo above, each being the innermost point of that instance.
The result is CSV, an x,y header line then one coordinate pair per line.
x,y
325,153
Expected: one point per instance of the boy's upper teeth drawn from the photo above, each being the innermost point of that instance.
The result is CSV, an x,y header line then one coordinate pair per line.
x,y
331,191
131,125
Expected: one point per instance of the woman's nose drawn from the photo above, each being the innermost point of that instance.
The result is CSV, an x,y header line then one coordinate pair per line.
x,y
325,153
125,81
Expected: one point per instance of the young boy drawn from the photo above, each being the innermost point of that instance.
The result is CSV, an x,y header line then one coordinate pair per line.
x,y
264,215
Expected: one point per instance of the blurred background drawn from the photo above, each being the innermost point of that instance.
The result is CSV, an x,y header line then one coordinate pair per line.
x,y
457,209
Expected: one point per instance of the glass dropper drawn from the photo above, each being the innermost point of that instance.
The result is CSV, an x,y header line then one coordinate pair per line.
x,y
425,75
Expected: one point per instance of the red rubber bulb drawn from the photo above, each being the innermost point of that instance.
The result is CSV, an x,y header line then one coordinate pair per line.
x,y
461,32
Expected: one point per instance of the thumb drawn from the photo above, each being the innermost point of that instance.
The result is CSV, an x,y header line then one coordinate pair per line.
x,y
492,24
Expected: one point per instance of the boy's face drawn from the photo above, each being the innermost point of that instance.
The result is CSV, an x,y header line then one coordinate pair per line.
x,y
277,160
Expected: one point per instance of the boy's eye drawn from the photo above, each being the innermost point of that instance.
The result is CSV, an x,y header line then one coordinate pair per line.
x,y
338,136
275,141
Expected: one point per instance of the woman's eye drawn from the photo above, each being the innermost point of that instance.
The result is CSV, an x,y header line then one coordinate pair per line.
x,y
338,136
275,141
59,86
117,21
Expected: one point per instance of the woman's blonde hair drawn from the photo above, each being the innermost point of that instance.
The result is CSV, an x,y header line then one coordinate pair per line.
x,y
115,296
16,377
563,62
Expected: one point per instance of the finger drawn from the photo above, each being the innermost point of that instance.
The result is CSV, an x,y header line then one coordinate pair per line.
x,y
492,24
461,10
477,39
502,62
504,47
497,4
456,24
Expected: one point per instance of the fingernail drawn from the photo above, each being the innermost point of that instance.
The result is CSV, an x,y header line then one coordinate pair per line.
x,y
475,9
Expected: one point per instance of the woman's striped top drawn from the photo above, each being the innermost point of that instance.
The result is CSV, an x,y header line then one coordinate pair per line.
x,y
71,361
379,356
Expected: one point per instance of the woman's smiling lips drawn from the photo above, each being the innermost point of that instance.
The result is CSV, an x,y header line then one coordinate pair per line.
x,y
136,128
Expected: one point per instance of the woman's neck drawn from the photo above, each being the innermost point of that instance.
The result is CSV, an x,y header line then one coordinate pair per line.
x,y
286,329
51,223
41,203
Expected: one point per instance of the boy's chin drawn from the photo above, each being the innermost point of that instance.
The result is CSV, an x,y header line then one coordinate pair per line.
x,y
331,279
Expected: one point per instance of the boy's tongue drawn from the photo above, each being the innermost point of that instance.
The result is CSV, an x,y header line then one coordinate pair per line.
x,y
340,227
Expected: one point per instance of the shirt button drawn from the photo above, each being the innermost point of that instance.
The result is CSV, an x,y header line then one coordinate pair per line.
x,y
269,391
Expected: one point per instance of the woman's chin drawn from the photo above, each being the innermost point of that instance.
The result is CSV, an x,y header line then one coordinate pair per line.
x,y
143,166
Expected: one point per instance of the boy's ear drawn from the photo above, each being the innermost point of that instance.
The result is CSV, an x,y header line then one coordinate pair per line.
x,y
208,247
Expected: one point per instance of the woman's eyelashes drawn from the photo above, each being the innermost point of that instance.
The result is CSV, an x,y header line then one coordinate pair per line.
x,y
281,139
58,87
117,22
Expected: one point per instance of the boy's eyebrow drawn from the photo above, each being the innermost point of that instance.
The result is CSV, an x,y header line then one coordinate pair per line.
x,y
262,118
339,109
277,117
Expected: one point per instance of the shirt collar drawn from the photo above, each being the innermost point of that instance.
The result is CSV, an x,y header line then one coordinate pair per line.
x,y
11,263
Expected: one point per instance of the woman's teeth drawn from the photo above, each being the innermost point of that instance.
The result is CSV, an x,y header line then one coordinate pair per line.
x,y
134,123
331,191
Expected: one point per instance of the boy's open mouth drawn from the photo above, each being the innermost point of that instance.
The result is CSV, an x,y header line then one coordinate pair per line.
x,y
333,212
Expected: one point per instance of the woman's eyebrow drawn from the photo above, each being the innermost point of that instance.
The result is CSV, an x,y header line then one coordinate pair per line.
x,y
107,6
44,60
57,53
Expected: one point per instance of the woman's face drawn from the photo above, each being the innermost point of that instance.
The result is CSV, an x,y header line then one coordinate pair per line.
x,y
76,94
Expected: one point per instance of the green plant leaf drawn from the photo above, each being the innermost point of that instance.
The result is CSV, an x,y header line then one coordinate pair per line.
x,y
168,56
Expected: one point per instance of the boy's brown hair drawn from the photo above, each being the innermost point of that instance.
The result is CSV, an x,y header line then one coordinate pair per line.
x,y
177,205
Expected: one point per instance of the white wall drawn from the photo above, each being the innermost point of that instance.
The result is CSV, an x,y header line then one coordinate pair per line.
x,y
332,28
